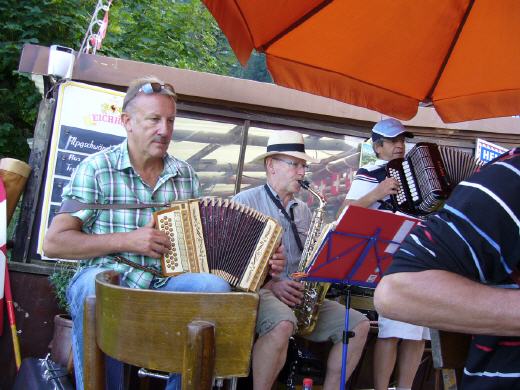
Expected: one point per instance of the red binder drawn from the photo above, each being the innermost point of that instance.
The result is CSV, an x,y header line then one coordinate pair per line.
x,y
359,247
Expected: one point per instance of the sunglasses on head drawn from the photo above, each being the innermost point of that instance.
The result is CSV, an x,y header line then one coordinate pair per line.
x,y
150,88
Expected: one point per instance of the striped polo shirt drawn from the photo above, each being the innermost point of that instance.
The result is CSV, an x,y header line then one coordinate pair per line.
x,y
366,179
477,235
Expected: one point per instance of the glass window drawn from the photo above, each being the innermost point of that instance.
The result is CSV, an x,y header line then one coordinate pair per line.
x,y
213,150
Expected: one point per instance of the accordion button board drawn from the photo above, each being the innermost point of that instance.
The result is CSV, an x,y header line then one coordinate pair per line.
x,y
218,236
427,175
407,191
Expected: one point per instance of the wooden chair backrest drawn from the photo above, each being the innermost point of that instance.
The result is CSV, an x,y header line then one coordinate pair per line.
x,y
149,328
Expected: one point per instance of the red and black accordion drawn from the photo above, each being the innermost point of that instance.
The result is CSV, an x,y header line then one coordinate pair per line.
x,y
219,236
427,175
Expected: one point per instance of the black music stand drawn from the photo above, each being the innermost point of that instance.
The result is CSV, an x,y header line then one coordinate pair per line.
x,y
357,250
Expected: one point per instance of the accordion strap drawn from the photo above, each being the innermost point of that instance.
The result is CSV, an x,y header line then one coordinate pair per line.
x,y
124,260
74,205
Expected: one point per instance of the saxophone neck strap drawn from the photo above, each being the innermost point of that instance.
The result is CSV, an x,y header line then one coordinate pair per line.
x,y
289,218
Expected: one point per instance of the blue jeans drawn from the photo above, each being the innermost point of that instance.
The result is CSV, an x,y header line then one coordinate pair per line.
x,y
82,285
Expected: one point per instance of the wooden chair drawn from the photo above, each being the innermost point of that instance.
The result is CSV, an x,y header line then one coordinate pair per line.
x,y
201,335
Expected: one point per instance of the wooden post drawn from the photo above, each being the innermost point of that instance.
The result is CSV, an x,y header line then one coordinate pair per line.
x,y
449,352
199,356
93,360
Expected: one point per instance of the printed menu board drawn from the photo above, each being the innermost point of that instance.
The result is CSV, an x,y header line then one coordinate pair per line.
x,y
87,120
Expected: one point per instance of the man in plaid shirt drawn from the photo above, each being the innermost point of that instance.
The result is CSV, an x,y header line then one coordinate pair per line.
x,y
139,170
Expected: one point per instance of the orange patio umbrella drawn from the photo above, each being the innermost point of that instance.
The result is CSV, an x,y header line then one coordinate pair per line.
x,y
387,55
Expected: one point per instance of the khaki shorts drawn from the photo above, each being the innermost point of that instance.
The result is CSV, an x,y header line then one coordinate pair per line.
x,y
330,324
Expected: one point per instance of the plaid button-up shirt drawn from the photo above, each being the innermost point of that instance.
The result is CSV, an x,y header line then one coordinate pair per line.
x,y
107,177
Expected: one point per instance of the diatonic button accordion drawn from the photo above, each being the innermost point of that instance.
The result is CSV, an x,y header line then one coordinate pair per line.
x,y
427,175
218,236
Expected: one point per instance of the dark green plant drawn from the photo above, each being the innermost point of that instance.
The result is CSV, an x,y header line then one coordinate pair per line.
x,y
59,280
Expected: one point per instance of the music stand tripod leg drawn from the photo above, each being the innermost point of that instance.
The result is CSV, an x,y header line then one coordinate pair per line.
x,y
346,336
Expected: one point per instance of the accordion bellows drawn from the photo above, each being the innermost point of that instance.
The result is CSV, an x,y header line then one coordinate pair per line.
x,y
219,236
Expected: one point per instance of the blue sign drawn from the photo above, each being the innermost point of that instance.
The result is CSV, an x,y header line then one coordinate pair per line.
x,y
488,154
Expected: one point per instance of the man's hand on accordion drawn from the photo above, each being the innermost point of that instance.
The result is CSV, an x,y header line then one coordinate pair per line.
x,y
277,262
389,186
148,241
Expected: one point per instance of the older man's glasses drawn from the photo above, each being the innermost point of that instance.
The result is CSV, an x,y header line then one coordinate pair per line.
x,y
293,164
150,88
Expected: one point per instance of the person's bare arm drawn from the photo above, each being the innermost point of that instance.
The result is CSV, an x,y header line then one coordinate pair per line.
x,y
447,301
388,186
66,240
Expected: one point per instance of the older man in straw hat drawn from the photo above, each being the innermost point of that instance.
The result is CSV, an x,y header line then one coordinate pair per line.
x,y
285,164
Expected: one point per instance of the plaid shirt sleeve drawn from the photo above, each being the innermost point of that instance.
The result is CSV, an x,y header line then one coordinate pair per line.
x,y
83,187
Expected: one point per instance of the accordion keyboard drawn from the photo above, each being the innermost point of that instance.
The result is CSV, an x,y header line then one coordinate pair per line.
x,y
406,181
408,196
427,176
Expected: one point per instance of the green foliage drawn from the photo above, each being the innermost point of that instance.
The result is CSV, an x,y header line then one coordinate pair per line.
x,y
255,69
59,281
30,21
180,34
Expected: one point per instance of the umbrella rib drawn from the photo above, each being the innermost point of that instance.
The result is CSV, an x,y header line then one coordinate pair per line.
x,y
293,25
429,96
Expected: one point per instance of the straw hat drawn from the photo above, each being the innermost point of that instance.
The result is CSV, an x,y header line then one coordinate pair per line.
x,y
286,142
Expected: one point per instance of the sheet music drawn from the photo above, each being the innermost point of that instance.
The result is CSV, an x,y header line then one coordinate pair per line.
x,y
358,247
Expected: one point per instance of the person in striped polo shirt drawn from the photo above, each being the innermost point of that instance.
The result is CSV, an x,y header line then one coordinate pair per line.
x,y
458,271
397,342
371,188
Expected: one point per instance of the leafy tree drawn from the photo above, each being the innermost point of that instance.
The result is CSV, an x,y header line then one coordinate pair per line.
x,y
254,70
29,22
181,34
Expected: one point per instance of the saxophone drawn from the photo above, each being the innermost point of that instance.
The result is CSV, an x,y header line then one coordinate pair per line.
x,y
314,292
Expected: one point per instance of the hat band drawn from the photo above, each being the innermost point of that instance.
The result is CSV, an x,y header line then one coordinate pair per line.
x,y
286,148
